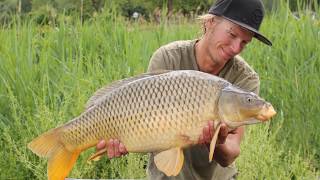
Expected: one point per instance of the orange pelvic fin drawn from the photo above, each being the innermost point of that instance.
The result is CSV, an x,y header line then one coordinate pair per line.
x,y
61,160
170,161
96,156
213,142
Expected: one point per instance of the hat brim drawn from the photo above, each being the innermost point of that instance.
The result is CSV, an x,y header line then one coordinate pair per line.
x,y
257,34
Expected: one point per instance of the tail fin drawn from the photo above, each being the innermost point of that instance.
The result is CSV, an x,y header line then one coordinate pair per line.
x,y
61,160
60,163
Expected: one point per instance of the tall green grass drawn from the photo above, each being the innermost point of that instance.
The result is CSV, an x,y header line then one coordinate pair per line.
x,y
48,73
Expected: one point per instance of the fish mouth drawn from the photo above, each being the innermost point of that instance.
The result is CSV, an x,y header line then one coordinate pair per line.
x,y
266,113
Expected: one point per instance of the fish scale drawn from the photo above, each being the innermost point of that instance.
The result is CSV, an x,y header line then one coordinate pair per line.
x,y
158,112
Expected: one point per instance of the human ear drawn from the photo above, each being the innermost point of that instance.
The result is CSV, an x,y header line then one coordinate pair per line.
x,y
210,23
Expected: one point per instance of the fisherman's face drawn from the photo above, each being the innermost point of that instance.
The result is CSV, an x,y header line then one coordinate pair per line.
x,y
225,40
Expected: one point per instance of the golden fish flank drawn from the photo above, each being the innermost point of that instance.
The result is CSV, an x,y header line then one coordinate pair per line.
x,y
156,112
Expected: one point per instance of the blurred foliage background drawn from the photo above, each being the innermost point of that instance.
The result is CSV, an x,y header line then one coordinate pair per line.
x,y
46,12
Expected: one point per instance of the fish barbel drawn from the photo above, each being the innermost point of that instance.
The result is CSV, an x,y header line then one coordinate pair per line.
x,y
156,112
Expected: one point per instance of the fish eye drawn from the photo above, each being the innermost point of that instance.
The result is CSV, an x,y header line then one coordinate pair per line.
x,y
249,99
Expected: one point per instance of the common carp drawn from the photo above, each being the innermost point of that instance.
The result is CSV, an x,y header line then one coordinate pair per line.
x,y
155,112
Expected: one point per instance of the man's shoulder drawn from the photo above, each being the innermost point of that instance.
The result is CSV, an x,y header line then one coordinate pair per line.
x,y
239,65
178,45
175,55
238,72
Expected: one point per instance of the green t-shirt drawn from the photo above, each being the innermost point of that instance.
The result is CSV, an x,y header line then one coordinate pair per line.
x,y
180,55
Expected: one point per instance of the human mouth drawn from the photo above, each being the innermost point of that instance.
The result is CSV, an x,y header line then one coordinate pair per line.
x,y
226,54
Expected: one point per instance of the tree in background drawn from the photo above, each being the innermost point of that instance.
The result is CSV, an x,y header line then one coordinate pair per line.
x,y
303,4
47,11
7,8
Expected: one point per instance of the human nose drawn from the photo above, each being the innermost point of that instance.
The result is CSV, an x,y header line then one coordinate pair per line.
x,y
236,46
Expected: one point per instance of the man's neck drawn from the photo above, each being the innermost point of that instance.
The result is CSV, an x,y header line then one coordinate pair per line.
x,y
205,62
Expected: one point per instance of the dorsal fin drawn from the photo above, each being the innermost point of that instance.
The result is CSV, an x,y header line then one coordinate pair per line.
x,y
114,85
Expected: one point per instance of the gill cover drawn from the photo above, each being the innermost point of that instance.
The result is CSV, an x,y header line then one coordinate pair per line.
x,y
238,107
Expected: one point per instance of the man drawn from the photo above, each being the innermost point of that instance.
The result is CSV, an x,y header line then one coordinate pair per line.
x,y
228,27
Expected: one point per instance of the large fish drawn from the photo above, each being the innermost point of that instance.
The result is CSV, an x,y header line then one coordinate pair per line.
x,y
157,112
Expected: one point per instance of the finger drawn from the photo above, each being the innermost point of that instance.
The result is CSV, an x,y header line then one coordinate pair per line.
x,y
200,141
211,129
233,131
110,149
206,134
122,149
101,144
223,134
116,148
224,130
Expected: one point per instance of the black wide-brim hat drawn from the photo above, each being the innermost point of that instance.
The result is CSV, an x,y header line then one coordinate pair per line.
x,y
246,13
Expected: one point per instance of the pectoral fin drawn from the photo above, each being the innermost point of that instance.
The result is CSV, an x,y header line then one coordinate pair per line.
x,y
96,156
213,142
170,161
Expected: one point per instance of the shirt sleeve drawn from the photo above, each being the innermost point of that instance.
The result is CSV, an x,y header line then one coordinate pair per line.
x,y
239,73
159,61
249,82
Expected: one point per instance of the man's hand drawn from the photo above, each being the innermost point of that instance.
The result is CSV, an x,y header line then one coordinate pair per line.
x,y
228,143
208,131
114,148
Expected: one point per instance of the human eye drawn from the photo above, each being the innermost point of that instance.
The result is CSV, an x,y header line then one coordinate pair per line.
x,y
231,34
